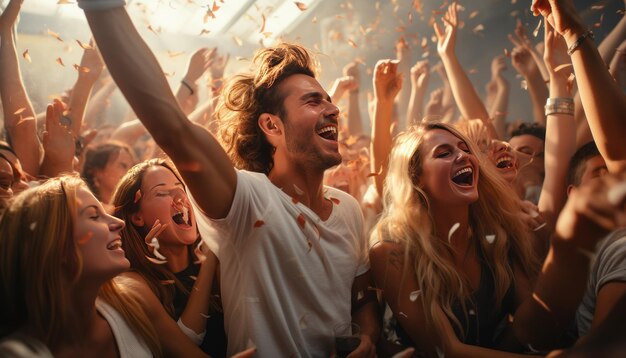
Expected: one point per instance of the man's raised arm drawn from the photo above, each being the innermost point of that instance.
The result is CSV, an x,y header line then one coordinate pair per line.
x,y
198,156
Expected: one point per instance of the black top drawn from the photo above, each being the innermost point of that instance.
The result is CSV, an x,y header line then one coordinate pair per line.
x,y
484,318
214,342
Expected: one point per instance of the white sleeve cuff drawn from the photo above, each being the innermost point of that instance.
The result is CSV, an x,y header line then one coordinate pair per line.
x,y
95,5
195,337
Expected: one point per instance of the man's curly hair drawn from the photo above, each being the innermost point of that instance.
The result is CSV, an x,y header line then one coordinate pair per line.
x,y
246,96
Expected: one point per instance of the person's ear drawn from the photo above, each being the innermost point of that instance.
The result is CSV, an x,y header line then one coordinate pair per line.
x,y
137,219
271,125
569,189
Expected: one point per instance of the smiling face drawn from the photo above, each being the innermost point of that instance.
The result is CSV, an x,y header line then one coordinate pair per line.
x,y
97,235
530,152
504,159
163,197
449,171
310,123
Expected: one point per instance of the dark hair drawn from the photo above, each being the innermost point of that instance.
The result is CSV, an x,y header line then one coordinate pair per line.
x,y
245,97
533,129
97,159
127,202
578,161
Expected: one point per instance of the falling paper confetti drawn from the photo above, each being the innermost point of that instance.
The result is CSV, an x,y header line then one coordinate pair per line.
x,y
301,221
55,35
560,67
19,111
454,228
413,296
26,56
490,238
536,30
259,223
84,45
155,261
300,5
298,190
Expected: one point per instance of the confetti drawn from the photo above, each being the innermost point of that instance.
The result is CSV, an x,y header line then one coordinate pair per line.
x,y
472,312
301,221
414,295
152,29
335,201
454,228
64,2
403,314
473,14
314,20
204,31
478,28
60,61
259,223
26,56
208,14
193,277
300,5
540,226
215,7
155,261
167,282
19,111
298,190
237,41
84,45
263,19
490,238
597,7
205,315
352,43
32,226
571,80
82,69
616,194
536,30
55,35
175,53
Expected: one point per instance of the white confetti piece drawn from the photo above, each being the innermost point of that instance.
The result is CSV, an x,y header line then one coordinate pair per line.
x,y
453,229
414,295
32,226
617,193
490,238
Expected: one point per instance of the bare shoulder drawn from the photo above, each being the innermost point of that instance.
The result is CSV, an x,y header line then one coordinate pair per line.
x,y
383,253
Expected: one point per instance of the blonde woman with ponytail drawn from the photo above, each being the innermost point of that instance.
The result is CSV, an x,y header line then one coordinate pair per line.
x,y
450,253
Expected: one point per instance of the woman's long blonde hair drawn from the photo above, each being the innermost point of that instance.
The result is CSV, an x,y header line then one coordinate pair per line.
x,y
40,265
406,218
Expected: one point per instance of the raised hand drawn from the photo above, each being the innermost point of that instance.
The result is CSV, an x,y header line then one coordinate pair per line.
x,y
555,53
199,63
352,70
58,142
92,62
420,73
498,65
523,62
446,39
387,81
562,15
592,211
434,107
341,86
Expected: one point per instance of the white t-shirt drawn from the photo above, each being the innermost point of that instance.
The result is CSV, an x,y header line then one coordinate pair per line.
x,y
128,343
286,274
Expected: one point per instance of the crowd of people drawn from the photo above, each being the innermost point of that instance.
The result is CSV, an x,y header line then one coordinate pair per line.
x,y
263,222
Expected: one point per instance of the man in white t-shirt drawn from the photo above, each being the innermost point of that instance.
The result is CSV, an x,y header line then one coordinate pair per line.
x,y
292,252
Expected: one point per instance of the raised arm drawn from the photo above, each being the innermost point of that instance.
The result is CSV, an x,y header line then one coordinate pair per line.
x,y
464,92
602,99
387,84
355,123
19,116
198,156
91,67
560,129
525,65
187,93
500,103
420,74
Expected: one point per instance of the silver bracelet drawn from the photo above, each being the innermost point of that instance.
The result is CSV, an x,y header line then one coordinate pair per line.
x,y
579,41
559,105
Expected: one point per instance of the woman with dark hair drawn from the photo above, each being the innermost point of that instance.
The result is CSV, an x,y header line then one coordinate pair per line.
x,y
104,166
161,241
